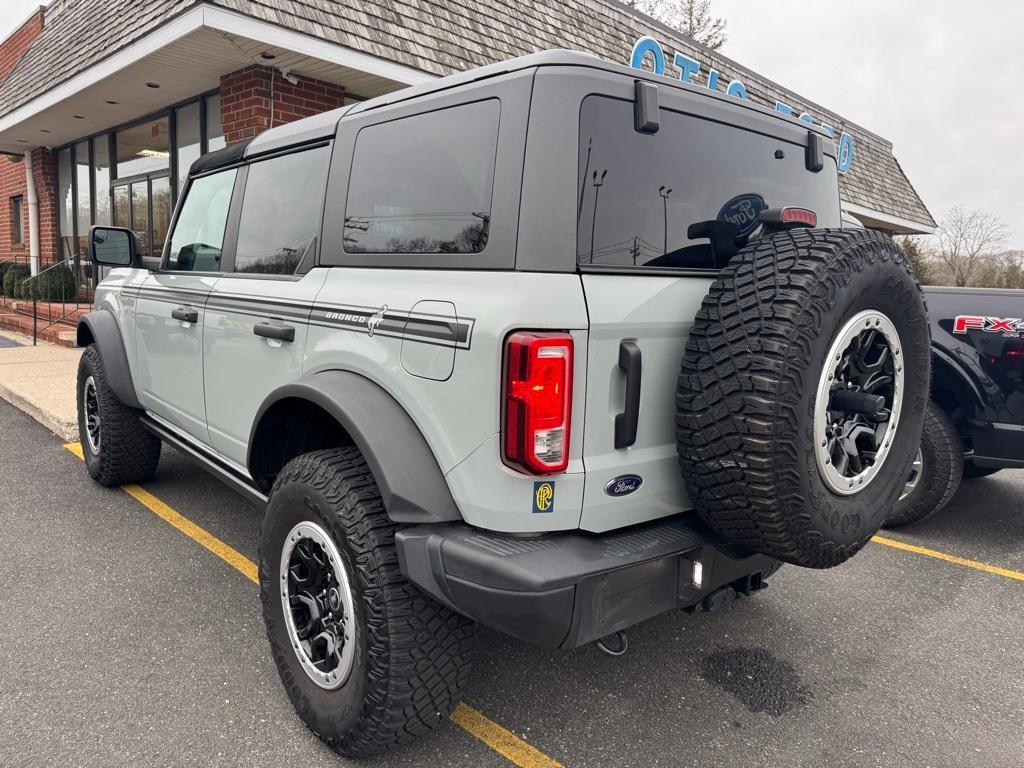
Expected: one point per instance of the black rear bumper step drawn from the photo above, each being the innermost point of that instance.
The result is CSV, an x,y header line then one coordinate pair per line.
x,y
568,589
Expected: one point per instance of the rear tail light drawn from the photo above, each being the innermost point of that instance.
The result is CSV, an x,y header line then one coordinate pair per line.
x,y
538,401
788,217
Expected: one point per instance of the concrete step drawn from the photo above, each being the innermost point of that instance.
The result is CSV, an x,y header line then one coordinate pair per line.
x,y
50,310
61,333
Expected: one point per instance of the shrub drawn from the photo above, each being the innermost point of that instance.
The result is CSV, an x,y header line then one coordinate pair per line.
x,y
13,278
58,284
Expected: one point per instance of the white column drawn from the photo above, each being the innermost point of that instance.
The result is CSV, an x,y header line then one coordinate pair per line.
x,y
33,214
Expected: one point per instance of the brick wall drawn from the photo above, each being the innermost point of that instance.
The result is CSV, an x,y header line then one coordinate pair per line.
x,y
14,47
246,105
12,184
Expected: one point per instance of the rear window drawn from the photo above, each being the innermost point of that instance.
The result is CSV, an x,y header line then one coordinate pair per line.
x,y
423,184
640,193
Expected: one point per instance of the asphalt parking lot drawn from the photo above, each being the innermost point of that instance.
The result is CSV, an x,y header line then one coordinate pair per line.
x,y
125,642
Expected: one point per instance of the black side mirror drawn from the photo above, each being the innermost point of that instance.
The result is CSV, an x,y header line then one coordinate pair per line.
x,y
114,247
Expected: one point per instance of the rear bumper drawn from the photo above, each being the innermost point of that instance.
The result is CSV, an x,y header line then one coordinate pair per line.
x,y
996,444
568,589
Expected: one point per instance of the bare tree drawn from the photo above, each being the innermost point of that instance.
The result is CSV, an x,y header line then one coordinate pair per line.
x,y
966,238
691,17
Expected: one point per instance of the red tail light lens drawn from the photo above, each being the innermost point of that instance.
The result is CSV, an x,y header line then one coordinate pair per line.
x,y
538,401
802,216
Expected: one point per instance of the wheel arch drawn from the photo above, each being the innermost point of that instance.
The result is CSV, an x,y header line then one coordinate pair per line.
x,y
953,390
100,327
333,408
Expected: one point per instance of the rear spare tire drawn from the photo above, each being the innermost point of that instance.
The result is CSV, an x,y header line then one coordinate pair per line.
x,y
802,393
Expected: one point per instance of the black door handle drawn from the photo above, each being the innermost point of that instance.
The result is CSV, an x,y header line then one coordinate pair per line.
x,y
626,422
279,332
185,315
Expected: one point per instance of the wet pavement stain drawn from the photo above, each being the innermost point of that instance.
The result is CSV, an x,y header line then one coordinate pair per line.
x,y
761,682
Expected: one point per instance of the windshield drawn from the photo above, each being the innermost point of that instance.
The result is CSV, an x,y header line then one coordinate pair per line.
x,y
659,200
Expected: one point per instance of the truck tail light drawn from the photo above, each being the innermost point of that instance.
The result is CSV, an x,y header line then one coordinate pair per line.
x,y
538,401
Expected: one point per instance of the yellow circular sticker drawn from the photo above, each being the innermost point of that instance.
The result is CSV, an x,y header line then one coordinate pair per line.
x,y
543,496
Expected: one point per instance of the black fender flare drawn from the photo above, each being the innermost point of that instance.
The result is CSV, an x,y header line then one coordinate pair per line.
x,y
951,374
412,485
100,327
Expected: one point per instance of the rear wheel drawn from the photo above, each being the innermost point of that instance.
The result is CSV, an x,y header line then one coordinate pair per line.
x,y
368,661
802,393
935,474
116,447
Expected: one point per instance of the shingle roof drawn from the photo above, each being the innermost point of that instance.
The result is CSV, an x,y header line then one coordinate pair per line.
x,y
441,37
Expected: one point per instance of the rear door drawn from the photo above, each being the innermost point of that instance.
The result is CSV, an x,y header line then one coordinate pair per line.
x,y
644,277
257,317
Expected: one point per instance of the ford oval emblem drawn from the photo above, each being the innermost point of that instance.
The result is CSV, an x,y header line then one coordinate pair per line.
x,y
743,211
623,485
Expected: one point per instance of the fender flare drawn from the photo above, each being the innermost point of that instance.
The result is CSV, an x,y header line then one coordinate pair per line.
x,y
411,483
100,327
949,366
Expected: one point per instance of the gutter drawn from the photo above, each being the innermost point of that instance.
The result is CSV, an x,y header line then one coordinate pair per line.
x,y
33,214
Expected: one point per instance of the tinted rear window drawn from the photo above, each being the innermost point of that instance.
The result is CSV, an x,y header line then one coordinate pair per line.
x,y
423,184
639,193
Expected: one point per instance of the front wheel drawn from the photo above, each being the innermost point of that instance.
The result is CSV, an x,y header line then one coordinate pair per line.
x,y
368,661
116,447
935,474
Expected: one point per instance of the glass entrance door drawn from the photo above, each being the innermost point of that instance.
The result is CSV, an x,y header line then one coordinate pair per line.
x,y
144,206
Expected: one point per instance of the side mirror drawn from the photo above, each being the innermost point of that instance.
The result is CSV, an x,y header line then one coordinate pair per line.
x,y
114,247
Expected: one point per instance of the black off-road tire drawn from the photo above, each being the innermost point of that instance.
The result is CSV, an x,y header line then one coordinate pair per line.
x,y
413,655
942,467
972,470
748,382
128,453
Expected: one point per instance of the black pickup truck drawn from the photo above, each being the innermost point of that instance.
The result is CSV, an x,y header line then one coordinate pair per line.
x,y
975,421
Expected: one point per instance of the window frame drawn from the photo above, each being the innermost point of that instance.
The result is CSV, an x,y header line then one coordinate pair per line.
x,y
512,91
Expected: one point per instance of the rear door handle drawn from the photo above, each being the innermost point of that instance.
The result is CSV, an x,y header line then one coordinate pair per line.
x,y
185,315
630,361
279,332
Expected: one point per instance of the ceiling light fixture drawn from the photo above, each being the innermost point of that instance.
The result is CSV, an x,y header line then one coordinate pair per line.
x,y
152,85
268,56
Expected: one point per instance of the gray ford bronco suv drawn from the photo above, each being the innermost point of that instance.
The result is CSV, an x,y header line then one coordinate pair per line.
x,y
551,346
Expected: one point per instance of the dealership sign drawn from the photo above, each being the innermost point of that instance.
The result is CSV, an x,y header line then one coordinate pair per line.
x,y
648,47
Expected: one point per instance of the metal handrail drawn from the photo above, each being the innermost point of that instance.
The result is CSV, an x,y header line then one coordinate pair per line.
x,y
81,270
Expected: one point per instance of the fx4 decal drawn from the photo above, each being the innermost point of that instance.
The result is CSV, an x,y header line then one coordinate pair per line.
x,y
1008,326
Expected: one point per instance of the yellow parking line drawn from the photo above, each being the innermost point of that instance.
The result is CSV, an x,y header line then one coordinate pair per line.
x,y
501,740
997,570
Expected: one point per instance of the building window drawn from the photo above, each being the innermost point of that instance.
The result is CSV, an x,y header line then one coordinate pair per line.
x,y
188,138
101,179
214,133
65,203
144,148
17,220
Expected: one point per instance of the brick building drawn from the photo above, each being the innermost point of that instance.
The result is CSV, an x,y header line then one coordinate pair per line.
x,y
104,104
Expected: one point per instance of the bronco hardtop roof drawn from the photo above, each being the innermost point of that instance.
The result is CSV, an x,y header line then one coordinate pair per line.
x,y
324,125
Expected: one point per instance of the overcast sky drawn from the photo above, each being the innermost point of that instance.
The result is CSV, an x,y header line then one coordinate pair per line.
x,y
942,79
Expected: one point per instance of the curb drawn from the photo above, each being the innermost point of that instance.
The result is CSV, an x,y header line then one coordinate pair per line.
x,y
66,431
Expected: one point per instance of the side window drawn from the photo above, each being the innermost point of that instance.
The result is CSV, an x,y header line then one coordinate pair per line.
x,y
198,237
423,184
281,211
